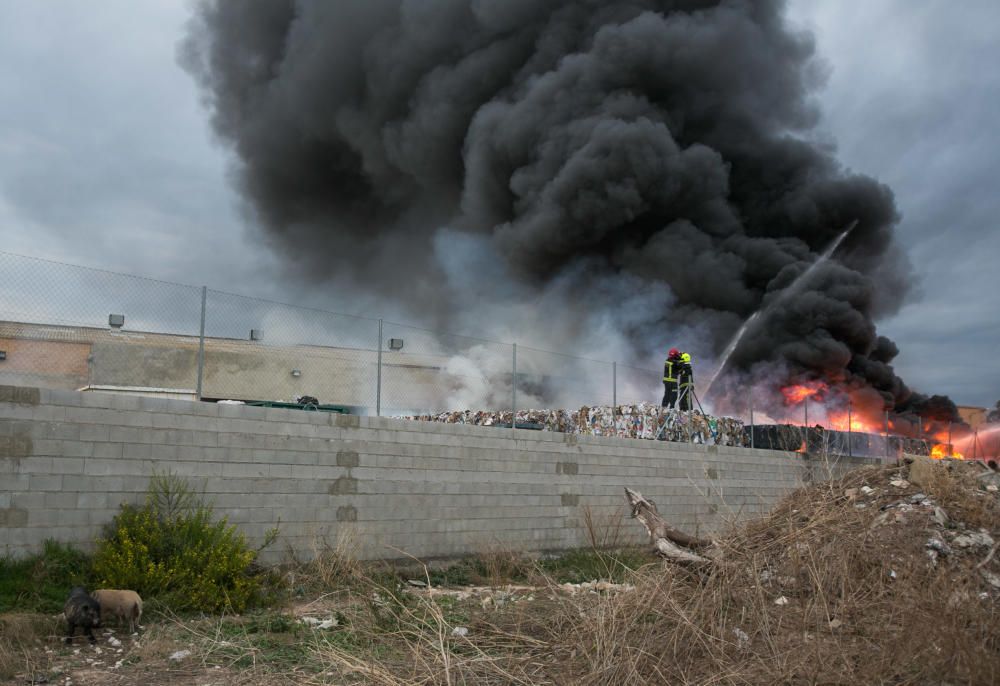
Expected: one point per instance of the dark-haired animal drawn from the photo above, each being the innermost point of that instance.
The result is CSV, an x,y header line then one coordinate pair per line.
x,y
81,611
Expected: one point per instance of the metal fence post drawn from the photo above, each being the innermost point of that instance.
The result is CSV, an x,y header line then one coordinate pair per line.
x,y
886,435
850,436
201,342
805,424
378,374
614,384
750,396
513,384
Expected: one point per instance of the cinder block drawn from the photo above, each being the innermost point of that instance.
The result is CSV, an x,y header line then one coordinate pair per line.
x,y
91,501
20,395
243,470
46,482
13,516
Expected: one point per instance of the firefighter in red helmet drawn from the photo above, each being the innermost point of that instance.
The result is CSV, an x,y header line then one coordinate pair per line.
x,y
671,372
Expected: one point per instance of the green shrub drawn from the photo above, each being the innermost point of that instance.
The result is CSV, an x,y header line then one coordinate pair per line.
x,y
41,583
169,549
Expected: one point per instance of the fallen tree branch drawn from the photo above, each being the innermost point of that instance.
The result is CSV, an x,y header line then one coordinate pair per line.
x,y
667,541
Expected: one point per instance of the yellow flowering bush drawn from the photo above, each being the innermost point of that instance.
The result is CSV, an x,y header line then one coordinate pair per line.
x,y
170,549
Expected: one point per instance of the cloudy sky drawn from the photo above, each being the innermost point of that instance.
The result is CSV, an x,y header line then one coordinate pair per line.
x,y
107,160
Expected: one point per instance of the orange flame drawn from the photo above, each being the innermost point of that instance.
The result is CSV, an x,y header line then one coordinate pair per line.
x,y
798,393
942,450
839,422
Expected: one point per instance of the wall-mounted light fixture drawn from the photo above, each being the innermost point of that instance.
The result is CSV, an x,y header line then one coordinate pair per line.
x,y
116,321
296,373
395,344
256,335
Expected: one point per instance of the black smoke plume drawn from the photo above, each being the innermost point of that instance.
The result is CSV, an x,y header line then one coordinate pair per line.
x,y
653,164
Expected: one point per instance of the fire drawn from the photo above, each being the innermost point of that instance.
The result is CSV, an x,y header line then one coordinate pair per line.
x,y
839,422
942,450
798,393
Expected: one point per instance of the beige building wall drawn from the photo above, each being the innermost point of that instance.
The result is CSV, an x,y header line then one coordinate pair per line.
x,y
973,416
74,358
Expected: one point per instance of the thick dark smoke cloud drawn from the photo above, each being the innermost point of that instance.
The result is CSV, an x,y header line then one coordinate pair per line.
x,y
654,145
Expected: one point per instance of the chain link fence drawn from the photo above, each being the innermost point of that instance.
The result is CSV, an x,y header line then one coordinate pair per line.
x,y
71,327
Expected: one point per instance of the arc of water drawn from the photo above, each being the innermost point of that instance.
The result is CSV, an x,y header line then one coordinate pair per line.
x,y
781,297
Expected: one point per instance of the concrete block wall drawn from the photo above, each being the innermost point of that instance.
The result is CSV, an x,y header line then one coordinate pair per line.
x,y
393,487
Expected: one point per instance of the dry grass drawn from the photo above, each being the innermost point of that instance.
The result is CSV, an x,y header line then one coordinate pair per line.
x,y
21,636
863,603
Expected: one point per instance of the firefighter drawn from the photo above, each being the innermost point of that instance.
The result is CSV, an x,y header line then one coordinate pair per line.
x,y
670,368
685,382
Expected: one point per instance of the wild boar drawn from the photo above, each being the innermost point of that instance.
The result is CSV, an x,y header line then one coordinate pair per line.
x,y
125,605
81,611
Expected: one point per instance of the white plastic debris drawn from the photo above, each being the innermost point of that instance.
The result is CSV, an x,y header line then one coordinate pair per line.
x,y
899,483
742,640
992,487
179,655
327,623
993,579
781,600
867,490
974,539
460,631
112,641
892,573
939,546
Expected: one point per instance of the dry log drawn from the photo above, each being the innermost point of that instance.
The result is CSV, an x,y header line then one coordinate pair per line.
x,y
667,541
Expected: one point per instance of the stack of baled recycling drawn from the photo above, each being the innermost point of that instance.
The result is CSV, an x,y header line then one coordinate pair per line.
x,y
644,420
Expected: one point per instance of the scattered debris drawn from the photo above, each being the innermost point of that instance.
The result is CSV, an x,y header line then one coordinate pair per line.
x,y
979,539
742,640
781,600
179,655
460,631
939,546
642,420
317,623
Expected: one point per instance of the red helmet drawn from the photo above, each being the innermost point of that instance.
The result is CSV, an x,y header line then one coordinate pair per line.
x,y
674,352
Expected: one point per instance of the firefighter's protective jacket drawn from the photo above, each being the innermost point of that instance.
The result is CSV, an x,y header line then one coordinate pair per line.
x,y
670,369
684,371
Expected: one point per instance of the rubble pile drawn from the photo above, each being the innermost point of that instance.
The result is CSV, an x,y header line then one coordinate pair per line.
x,y
901,555
642,420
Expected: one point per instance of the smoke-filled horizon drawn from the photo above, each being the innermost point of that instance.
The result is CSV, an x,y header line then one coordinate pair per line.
x,y
592,176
